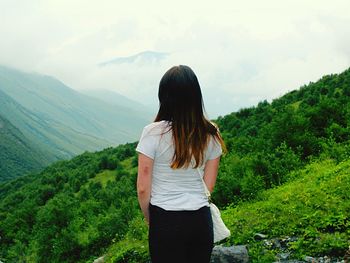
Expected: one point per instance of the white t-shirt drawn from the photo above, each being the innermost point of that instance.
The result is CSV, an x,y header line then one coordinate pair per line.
x,y
173,189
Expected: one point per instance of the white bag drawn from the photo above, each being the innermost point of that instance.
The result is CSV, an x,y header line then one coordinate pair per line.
x,y
219,228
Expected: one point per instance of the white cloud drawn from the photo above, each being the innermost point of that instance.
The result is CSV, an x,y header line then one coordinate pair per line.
x,y
242,51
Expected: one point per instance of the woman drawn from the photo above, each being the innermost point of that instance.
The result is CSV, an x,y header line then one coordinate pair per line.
x,y
174,151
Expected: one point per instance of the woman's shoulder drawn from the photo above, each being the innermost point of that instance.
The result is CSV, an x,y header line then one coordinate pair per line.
x,y
156,127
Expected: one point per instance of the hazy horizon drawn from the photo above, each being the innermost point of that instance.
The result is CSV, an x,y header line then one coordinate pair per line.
x,y
242,52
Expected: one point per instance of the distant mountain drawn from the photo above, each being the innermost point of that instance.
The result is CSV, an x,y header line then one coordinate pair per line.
x,y
61,121
59,141
143,57
116,98
18,154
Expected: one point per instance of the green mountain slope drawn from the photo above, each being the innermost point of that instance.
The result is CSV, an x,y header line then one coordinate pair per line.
x,y
72,210
313,208
60,121
18,155
53,100
113,97
286,173
53,140
310,214
270,140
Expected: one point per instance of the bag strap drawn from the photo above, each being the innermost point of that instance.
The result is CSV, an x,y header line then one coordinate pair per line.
x,y
206,190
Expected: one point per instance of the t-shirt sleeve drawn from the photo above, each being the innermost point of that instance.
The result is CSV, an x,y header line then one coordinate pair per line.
x,y
215,149
148,142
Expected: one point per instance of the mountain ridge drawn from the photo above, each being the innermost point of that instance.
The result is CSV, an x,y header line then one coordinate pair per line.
x,y
144,56
61,121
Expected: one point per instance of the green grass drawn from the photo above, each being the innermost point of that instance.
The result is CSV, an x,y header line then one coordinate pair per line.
x,y
104,177
133,248
315,207
296,104
128,164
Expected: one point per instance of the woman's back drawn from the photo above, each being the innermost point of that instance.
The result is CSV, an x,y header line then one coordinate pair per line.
x,y
174,151
173,189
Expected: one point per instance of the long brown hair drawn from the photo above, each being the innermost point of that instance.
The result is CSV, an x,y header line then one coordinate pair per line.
x,y
181,103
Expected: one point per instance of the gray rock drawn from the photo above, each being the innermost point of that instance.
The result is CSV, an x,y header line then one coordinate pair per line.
x,y
289,261
276,243
268,243
309,259
259,236
233,254
283,256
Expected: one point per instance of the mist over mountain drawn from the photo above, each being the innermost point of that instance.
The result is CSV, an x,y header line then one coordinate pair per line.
x,y
145,57
141,74
61,121
115,98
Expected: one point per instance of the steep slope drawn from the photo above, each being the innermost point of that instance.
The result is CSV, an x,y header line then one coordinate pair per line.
x,y
61,122
70,211
115,98
51,139
270,140
51,99
18,155
58,139
312,210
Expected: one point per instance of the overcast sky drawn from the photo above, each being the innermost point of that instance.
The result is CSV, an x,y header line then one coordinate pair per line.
x,y
242,51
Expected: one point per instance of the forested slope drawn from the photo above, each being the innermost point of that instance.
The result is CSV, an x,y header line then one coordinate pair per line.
x,y
78,210
268,141
61,121
18,154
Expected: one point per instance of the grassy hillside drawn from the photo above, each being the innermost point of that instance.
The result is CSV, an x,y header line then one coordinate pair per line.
x,y
70,212
286,174
313,208
270,140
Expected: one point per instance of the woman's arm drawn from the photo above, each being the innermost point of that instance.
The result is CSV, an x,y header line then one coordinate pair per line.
x,y
211,172
144,183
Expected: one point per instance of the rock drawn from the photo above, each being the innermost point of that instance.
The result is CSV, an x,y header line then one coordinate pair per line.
x,y
276,243
289,261
272,243
99,260
268,243
259,236
283,256
233,254
309,259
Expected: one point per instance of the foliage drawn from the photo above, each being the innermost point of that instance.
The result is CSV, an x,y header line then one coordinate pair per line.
x,y
271,140
314,207
71,211
285,174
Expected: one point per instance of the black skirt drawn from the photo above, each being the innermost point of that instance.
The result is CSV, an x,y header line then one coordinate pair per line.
x,y
180,236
